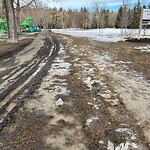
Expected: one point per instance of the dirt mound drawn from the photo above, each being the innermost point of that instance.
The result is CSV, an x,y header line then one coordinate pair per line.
x,y
142,40
7,49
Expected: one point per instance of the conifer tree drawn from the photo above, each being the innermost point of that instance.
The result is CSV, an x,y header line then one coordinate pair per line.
x,y
136,15
119,17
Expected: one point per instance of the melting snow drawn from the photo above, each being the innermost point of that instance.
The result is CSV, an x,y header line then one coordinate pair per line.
x,y
90,120
124,130
59,102
143,48
105,35
122,146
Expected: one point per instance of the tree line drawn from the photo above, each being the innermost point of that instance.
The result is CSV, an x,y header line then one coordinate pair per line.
x,y
100,17
15,11
72,18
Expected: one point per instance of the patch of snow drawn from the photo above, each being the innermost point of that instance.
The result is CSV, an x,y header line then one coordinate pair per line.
x,y
113,102
59,102
110,146
107,96
101,142
122,62
125,130
105,35
89,82
90,120
143,48
133,137
95,106
123,146
134,145
2,69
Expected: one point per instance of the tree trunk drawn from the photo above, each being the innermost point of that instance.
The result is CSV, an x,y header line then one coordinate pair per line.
x,y
18,15
10,16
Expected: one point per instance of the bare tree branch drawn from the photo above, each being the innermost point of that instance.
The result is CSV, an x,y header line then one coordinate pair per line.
x,y
27,4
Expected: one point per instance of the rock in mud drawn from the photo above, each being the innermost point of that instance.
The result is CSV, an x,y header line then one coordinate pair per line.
x,y
59,102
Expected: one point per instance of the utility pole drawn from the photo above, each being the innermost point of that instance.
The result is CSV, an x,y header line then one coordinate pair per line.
x,y
140,26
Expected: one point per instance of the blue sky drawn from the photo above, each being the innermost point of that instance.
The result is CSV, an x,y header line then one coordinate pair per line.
x,y
77,4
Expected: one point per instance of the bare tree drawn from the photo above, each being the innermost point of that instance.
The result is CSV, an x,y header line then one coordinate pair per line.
x,y
62,12
44,18
20,4
10,16
100,15
125,20
96,7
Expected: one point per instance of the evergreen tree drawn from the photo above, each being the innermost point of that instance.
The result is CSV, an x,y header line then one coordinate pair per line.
x,y
60,9
81,10
135,20
70,10
55,9
144,6
85,10
119,17
104,17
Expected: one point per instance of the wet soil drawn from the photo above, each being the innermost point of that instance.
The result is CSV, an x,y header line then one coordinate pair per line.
x,y
7,50
142,40
93,115
110,118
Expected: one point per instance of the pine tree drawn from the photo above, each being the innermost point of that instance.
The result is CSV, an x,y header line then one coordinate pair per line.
x,y
119,17
135,20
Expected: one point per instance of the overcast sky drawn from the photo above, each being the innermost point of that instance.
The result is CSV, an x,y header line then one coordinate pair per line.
x,y
77,4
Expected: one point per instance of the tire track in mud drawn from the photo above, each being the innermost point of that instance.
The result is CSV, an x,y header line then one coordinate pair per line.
x,y
19,75
22,68
26,80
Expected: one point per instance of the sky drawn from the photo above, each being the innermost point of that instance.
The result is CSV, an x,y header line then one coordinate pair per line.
x,y
77,4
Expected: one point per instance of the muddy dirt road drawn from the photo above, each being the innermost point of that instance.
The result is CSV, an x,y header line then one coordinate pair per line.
x,y
21,73
65,93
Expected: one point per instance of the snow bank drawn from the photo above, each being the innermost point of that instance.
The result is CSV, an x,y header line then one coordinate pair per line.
x,y
104,35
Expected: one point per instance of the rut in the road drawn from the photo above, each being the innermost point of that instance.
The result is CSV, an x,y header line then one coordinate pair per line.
x,y
21,83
